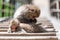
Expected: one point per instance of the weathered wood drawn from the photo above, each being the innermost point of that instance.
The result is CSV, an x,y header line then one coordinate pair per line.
x,y
29,38
4,27
28,34
3,30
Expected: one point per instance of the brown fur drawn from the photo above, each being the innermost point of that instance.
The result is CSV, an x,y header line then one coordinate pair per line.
x,y
27,17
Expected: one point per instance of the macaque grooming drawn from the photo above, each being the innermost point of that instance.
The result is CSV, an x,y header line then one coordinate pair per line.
x,y
25,18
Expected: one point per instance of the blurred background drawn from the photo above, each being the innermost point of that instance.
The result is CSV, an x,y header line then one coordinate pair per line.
x,y
7,7
50,9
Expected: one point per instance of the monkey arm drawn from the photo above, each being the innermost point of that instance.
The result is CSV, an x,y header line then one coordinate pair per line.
x,y
27,27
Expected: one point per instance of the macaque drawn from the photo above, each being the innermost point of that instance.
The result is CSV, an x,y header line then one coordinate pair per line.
x,y
25,18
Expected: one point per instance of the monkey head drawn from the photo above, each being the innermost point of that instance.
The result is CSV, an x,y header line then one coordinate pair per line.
x,y
29,11
14,25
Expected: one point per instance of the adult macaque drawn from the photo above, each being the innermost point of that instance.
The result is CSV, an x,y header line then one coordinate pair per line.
x,y
25,18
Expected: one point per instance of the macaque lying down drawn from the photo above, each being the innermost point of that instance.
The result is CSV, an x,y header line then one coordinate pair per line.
x,y
25,18
29,28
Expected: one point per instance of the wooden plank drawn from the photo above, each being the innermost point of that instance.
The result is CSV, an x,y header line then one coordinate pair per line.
x,y
3,30
29,38
4,27
28,34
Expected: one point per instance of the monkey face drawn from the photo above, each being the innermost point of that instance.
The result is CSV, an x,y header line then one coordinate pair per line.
x,y
14,26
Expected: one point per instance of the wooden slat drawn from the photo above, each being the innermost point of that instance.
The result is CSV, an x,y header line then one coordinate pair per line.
x,y
3,30
29,38
3,27
28,34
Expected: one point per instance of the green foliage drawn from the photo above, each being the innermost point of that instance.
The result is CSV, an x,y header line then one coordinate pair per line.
x,y
9,9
